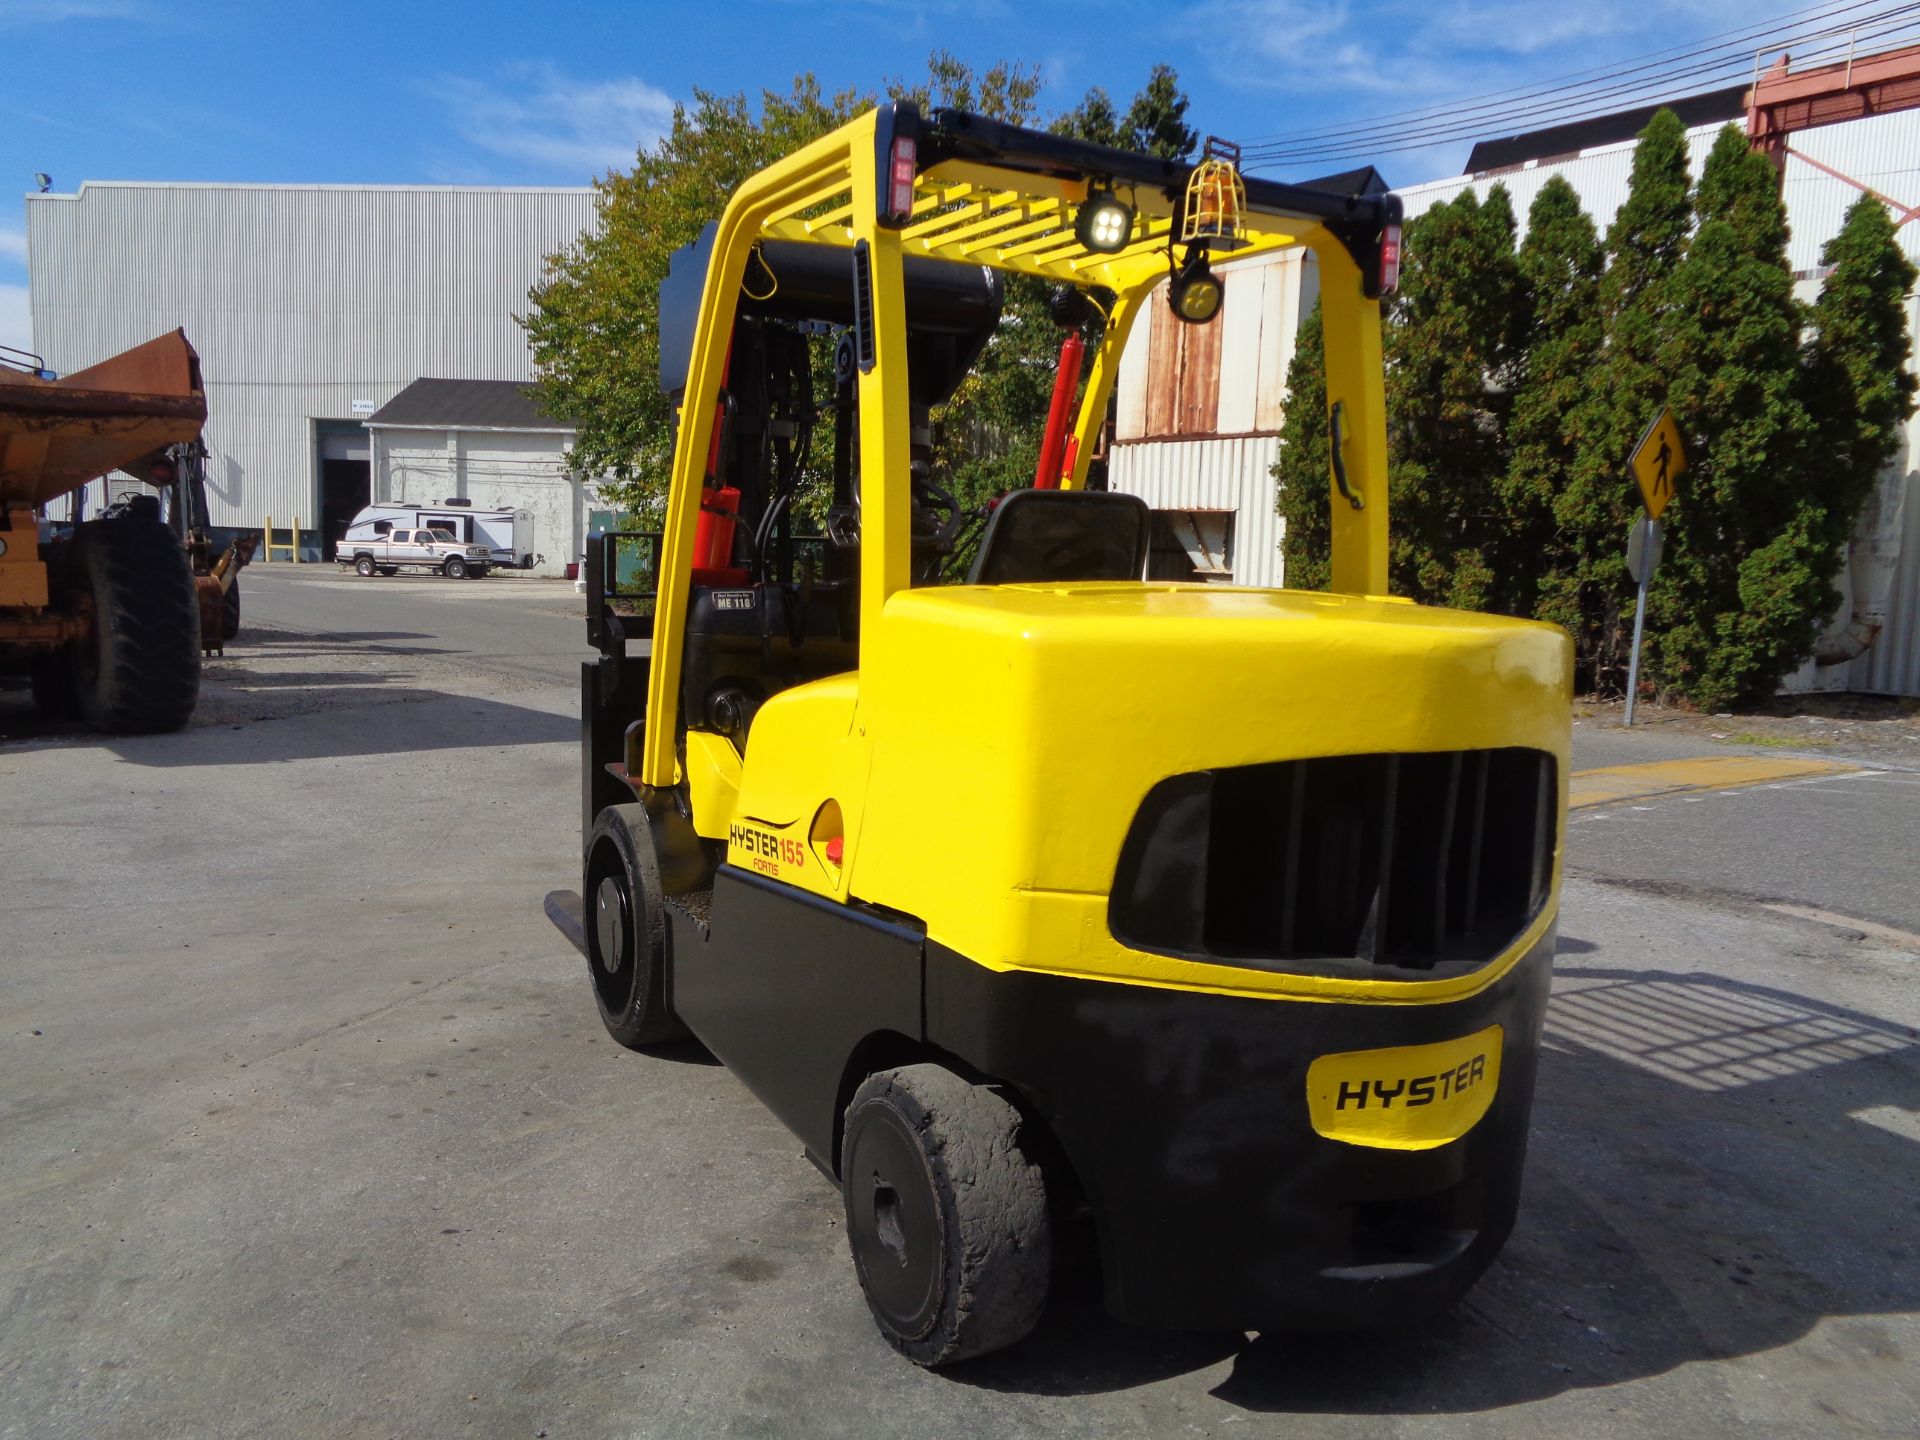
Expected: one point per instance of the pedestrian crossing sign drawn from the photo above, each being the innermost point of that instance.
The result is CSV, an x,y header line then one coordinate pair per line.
x,y
1659,460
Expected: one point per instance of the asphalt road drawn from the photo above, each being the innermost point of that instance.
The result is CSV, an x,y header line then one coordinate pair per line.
x,y
311,1128
504,622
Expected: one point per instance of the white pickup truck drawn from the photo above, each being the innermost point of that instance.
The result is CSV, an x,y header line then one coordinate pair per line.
x,y
397,550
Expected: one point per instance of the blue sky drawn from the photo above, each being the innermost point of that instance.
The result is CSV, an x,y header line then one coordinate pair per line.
x,y
489,92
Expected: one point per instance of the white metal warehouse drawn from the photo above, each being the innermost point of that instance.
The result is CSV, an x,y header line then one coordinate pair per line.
x,y
311,307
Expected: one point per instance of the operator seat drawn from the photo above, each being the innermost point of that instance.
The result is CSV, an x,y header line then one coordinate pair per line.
x,y
1036,537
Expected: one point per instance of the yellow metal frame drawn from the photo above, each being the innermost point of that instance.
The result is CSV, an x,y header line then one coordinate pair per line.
x,y
974,213
1039,695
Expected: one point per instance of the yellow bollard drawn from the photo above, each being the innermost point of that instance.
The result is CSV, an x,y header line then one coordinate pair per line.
x,y
293,550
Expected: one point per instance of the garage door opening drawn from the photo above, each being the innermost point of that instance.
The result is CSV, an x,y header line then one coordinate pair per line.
x,y
346,478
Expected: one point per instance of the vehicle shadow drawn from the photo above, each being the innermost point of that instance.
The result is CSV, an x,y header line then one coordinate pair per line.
x,y
1716,1168
310,717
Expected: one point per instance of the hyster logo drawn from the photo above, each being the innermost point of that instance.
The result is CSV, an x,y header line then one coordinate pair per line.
x,y
767,849
1412,1093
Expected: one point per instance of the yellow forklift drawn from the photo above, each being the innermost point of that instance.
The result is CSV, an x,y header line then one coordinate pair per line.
x,y
1042,893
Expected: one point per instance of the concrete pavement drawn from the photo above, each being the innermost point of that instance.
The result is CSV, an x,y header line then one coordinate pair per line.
x,y
312,1130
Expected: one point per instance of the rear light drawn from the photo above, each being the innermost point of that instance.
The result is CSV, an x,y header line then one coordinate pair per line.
x,y
1389,259
905,165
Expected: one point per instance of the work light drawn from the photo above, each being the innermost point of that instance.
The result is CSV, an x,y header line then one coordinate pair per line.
x,y
1195,293
1105,223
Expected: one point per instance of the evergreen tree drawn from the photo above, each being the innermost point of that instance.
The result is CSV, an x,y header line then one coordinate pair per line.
x,y
1748,574
1597,507
1302,472
1451,357
1858,387
1556,416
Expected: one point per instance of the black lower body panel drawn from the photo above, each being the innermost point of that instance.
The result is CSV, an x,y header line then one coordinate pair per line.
x,y
1184,1115
785,988
1217,1203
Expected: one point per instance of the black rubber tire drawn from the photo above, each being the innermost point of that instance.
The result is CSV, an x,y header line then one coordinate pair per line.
x,y
139,673
526,562
946,1214
230,611
56,688
454,568
627,930
365,568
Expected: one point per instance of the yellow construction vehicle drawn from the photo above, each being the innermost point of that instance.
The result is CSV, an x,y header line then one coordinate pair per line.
x,y
1221,916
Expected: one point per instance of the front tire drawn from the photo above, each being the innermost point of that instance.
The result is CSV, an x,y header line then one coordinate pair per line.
x,y
946,1214
455,568
627,930
139,672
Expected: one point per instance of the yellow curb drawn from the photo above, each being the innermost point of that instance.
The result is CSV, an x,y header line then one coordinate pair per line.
x,y
1613,784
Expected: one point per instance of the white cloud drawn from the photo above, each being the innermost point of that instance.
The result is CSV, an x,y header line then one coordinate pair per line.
x,y
554,122
16,319
21,13
1422,51
13,247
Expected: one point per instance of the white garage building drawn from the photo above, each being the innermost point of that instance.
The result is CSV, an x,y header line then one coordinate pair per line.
x,y
312,307
483,443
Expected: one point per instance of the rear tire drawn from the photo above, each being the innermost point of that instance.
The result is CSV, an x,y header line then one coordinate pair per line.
x,y
627,930
365,567
230,611
946,1214
455,568
139,672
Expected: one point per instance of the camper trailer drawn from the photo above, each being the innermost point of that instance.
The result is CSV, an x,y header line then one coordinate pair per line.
x,y
507,533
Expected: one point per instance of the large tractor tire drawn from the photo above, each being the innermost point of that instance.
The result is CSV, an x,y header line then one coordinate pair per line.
x,y
139,672
946,1214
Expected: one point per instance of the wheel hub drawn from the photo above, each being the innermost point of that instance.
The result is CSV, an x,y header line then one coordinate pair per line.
x,y
610,923
895,1223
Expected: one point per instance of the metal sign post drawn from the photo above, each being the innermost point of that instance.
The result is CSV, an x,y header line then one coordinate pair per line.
x,y
1643,558
1657,462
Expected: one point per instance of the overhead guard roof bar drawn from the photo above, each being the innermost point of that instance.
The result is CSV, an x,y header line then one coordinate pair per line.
x,y
989,193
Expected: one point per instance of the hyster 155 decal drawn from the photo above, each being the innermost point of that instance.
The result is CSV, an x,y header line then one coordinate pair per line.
x,y
1415,1097
765,850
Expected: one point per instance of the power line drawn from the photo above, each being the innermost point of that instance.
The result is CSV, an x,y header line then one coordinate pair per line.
x,y
1647,89
1597,107
1744,35
1577,103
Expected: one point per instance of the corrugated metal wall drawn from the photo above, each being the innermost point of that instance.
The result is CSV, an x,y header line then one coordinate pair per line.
x,y
1221,474
300,299
1197,424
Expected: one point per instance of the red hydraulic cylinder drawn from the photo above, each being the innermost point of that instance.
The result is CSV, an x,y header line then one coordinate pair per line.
x,y
1053,446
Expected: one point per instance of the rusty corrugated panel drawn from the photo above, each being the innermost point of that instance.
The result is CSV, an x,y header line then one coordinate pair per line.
x,y
1199,401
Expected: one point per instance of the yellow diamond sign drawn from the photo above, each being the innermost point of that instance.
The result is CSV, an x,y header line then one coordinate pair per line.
x,y
1659,460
